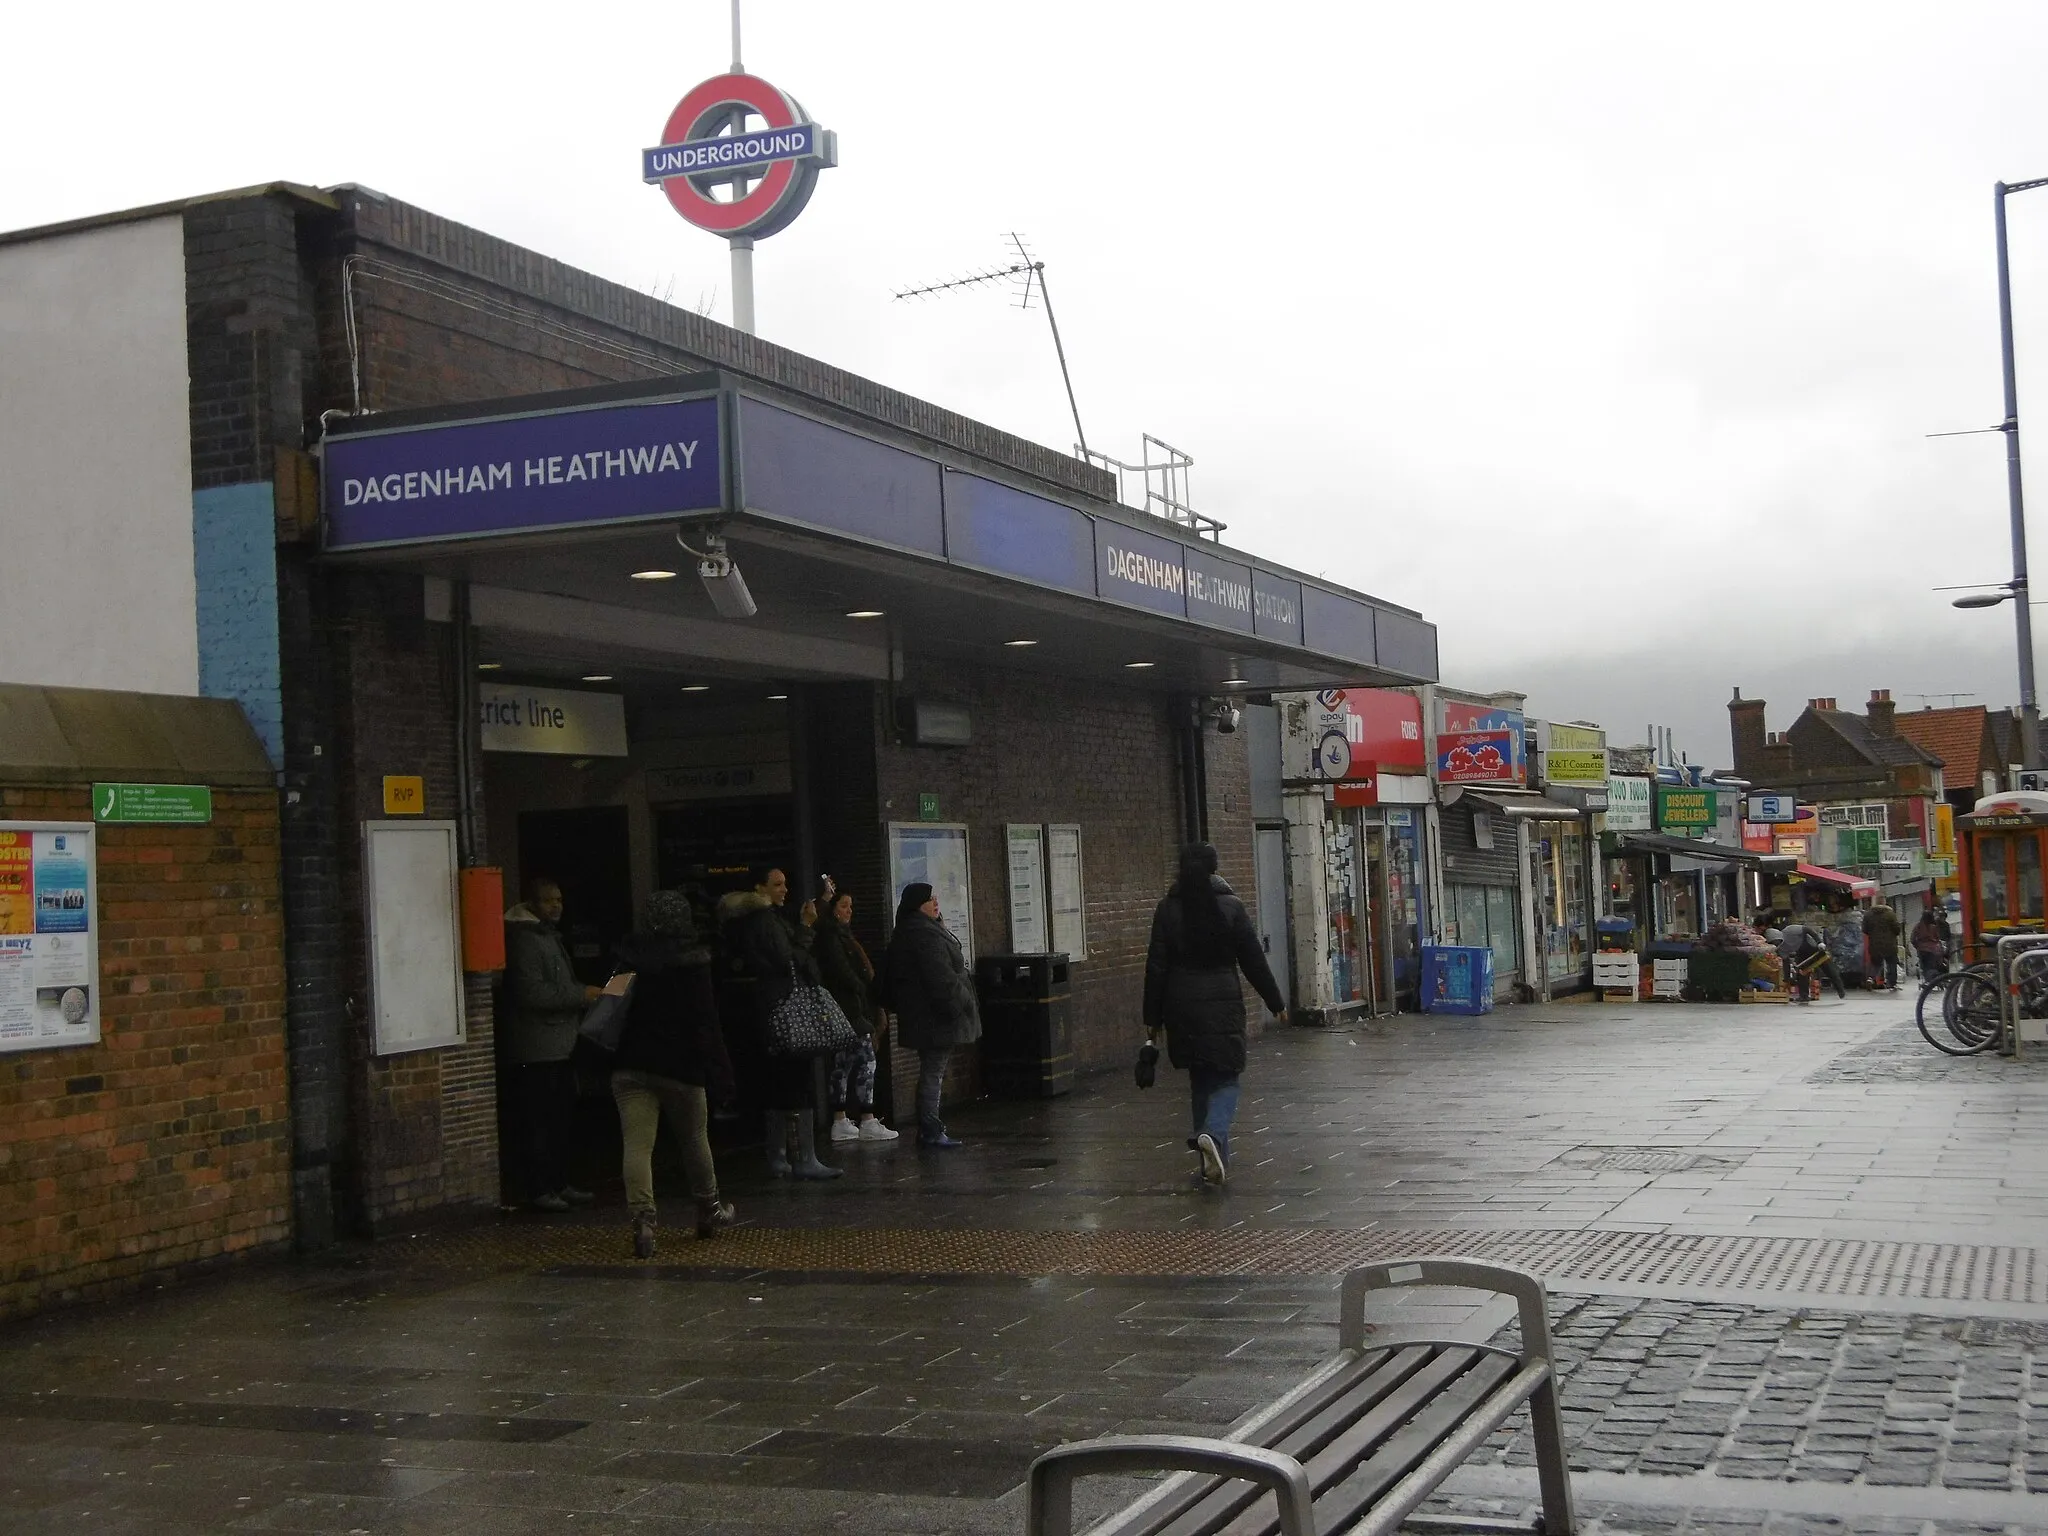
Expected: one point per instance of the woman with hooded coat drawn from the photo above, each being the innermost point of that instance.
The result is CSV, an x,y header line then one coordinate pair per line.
x,y
1202,937
932,994
771,963
669,1053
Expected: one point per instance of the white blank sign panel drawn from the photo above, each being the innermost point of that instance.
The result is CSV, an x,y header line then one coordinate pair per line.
x,y
415,941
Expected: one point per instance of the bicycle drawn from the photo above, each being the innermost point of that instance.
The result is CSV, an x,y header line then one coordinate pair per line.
x,y
1968,1010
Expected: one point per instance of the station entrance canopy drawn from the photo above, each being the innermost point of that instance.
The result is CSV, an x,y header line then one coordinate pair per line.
x,y
548,505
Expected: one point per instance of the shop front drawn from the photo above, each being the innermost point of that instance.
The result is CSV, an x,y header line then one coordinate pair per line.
x,y
1572,769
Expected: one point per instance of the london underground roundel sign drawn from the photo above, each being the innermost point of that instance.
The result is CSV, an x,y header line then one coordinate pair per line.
x,y
782,158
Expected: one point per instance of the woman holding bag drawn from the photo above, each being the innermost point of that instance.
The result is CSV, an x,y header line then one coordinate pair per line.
x,y
772,966
933,997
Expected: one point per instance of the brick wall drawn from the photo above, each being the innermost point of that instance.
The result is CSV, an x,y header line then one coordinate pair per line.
x,y
425,1122
167,1144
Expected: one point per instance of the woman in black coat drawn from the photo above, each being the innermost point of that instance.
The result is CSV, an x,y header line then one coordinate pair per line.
x,y
850,977
769,963
1202,937
670,1052
932,996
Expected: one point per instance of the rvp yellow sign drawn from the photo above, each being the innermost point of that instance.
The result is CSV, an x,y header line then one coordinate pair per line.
x,y
405,794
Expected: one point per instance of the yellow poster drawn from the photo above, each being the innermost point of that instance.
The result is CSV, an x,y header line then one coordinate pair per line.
x,y
17,885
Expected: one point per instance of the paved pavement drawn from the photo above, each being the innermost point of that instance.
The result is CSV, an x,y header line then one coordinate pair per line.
x,y
1801,1266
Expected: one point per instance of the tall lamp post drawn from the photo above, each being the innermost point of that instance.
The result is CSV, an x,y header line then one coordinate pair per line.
x,y
2017,589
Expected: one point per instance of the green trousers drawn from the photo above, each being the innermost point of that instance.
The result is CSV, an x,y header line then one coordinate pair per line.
x,y
643,1099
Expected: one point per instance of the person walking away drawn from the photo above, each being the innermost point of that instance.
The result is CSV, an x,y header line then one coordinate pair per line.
x,y
1881,932
849,976
1930,944
1202,937
547,1004
670,1054
774,959
933,997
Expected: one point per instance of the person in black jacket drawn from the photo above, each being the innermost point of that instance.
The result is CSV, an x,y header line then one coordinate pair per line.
x,y
932,994
670,1052
850,977
1201,938
771,960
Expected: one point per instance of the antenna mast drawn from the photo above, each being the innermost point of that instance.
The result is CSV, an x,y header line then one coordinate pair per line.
x,y
1031,270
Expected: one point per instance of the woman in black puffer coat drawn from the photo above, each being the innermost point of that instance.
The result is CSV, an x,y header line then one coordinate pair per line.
x,y
1202,937
931,992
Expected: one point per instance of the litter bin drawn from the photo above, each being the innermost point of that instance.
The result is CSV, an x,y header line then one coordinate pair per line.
x,y
1457,978
1027,1039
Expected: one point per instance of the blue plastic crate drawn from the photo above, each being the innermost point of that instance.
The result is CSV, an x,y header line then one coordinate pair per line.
x,y
1457,978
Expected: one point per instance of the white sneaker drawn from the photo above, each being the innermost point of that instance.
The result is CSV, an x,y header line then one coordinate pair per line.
x,y
872,1129
844,1129
1213,1171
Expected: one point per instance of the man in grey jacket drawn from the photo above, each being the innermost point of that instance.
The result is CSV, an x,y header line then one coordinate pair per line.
x,y
546,1004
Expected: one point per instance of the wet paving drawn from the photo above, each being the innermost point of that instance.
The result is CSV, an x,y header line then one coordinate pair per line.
x,y
886,1354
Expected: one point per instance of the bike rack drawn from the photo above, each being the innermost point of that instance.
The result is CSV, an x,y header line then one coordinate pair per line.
x,y
2008,948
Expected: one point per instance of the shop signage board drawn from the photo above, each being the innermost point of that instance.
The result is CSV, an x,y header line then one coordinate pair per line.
x,y
1065,890
1475,757
1681,808
556,721
1792,847
1340,734
1771,810
1459,718
698,152
1572,754
1360,789
1758,837
1899,852
49,935
1630,806
153,804
1030,932
935,853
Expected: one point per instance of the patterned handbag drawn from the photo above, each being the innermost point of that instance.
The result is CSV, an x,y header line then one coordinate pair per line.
x,y
809,1023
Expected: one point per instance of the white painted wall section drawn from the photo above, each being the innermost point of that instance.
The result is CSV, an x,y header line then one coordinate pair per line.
x,y
96,583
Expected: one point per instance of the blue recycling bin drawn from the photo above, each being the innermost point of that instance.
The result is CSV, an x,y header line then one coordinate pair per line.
x,y
1457,978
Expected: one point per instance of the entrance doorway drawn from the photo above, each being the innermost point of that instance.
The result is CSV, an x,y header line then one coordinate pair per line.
x,y
588,853
1269,861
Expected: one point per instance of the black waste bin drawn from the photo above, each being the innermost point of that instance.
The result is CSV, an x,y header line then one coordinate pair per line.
x,y
1027,1037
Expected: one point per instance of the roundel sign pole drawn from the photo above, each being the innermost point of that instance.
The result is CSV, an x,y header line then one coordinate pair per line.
x,y
767,172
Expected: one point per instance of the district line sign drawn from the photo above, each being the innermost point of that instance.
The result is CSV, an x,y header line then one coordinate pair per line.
x,y
694,156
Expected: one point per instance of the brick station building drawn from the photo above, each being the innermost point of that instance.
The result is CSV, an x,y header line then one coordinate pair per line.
x,y
404,491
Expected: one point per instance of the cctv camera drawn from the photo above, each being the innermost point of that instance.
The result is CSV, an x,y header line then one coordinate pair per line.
x,y
726,587
1226,715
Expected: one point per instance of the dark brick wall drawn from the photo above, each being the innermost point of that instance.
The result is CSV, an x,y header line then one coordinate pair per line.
x,y
165,1145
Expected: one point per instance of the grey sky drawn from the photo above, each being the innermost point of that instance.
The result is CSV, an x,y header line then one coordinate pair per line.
x,y
1605,335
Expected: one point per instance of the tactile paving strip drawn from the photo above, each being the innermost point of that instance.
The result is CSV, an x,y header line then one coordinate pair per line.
x,y
1781,1265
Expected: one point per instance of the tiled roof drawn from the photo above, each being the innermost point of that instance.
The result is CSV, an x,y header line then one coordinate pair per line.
x,y
1889,751
1956,736
2005,731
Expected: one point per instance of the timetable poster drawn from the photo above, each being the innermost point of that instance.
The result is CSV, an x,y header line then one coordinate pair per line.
x,y
49,957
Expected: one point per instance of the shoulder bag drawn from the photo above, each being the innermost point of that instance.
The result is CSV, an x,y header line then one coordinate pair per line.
x,y
604,1022
808,1023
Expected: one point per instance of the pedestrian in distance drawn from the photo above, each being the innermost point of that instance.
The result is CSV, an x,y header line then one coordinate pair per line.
x,y
1845,945
546,1004
932,994
1803,954
1930,944
772,957
849,976
1202,938
671,1058
1881,933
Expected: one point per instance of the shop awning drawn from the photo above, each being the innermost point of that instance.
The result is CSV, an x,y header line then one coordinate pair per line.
x,y
1855,885
1699,850
1524,804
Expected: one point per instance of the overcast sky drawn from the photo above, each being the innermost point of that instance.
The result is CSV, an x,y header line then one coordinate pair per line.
x,y
1607,336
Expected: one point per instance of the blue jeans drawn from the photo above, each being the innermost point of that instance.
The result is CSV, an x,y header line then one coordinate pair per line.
x,y
1213,1097
931,1077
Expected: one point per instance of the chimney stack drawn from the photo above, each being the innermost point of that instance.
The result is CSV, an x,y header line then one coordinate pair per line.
x,y
1879,711
1746,733
1774,762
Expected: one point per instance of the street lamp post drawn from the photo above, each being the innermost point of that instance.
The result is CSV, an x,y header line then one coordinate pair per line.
x,y
2023,614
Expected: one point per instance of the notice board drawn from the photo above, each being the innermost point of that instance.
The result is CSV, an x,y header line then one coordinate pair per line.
x,y
49,935
935,852
1030,934
409,889
1065,886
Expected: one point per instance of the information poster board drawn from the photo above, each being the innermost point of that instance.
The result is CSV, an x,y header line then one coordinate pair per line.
x,y
49,935
935,852
1030,934
410,887
1064,880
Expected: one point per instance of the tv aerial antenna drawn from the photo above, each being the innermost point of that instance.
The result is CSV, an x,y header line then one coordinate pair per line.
x,y
1025,273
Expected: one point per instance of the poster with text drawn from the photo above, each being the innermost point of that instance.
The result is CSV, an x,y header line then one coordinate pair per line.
x,y
1029,932
49,954
936,853
1064,883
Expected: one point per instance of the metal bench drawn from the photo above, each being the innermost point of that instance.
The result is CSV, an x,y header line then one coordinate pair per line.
x,y
1352,1450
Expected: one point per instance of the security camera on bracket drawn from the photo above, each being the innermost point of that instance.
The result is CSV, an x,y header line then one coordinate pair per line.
x,y
1224,715
723,583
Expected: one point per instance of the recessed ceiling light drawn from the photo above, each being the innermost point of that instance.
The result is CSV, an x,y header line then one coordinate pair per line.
x,y
696,687
654,575
597,677
490,666
1137,665
1020,642
1236,682
865,613
776,698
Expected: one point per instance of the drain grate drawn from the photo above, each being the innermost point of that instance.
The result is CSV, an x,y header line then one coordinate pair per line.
x,y
1643,1159
1762,1266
